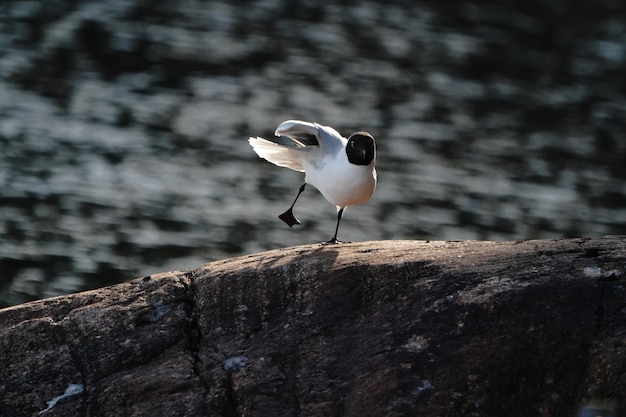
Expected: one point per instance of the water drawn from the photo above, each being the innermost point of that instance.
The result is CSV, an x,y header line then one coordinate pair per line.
x,y
123,128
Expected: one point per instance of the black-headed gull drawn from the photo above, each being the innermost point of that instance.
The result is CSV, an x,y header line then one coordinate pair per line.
x,y
343,170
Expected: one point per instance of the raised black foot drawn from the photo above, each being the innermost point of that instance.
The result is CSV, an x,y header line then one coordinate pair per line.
x,y
289,218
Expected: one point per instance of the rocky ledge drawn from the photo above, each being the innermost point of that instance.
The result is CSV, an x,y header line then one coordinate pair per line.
x,y
387,328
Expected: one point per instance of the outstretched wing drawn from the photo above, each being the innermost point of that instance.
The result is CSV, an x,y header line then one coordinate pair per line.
x,y
281,155
311,134
306,136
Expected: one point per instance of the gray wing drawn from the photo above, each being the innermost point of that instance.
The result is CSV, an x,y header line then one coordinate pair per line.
x,y
312,134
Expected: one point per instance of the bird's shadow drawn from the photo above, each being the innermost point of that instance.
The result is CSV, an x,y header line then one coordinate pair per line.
x,y
322,254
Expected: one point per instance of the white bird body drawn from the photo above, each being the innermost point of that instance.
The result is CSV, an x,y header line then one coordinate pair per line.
x,y
348,185
343,170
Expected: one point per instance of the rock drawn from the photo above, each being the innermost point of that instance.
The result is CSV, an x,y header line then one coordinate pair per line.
x,y
388,328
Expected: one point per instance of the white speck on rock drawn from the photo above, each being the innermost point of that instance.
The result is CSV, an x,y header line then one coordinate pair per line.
x,y
597,272
416,344
71,390
235,363
425,385
592,271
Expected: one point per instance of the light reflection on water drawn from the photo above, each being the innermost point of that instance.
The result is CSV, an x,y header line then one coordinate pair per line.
x,y
123,130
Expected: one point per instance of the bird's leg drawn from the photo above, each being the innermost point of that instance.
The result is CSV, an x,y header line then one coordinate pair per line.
x,y
334,239
287,216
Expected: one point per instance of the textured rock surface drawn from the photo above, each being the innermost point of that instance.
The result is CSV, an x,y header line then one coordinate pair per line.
x,y
375,328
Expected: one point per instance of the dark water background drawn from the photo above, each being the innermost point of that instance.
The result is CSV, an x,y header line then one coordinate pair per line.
x,y
123,127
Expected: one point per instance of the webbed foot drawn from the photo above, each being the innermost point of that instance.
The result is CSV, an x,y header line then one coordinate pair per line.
x,y
334,241
289,218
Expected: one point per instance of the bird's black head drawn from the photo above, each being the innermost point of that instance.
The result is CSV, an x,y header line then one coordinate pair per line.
x,y
361,148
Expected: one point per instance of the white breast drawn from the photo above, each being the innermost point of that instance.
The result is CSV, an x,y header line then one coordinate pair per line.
x,y
341,183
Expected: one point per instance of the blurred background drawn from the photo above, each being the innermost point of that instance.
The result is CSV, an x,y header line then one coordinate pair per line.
x,y
124,125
